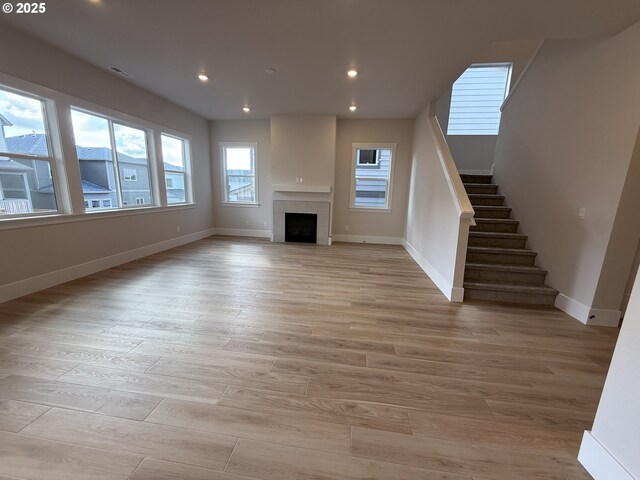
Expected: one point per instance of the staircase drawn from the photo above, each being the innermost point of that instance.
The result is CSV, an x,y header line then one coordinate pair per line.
x,y
499,267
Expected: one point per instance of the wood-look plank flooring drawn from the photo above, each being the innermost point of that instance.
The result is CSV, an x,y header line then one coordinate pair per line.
x,y
231,359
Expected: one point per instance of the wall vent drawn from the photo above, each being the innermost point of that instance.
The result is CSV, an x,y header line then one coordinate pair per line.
x,y
120,72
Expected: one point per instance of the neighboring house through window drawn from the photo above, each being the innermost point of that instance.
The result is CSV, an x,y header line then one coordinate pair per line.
x,y
476,99
371,175
130,174
239,173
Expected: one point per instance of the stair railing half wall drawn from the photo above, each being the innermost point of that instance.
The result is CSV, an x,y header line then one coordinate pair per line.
x,y
461,201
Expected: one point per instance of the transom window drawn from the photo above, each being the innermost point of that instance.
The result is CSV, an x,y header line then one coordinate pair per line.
x,y
476,100
372,175
114,161
28,184
239,173
175,153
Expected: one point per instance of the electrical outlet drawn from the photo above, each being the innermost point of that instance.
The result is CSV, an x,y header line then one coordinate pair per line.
x,y
581,213
247,222
177,228
347,228
265,223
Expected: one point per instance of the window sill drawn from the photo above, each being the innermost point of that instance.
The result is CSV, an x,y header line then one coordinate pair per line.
x,y
227,204
369,210
55,219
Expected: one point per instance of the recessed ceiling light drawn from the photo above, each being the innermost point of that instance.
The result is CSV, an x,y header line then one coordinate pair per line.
x,y
352,73
270,70
353,108
202,77
246,109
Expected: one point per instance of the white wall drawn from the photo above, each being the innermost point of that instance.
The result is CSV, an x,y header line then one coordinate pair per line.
x,y
256,220
39,250
566,143
475,153
610,450
435,236
387,226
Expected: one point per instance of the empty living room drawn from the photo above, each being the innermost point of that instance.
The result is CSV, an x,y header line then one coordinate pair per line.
x,y
319,240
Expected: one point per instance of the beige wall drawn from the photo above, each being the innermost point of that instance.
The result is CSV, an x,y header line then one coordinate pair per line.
x,y
363,223
237,216
475,153
617,421
303,146
40,250
566,143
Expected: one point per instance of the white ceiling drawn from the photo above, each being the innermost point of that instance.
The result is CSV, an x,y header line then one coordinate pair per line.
x,y
407,51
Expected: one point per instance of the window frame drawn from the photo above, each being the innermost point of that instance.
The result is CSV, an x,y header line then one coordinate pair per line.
x,y
509,65
119,179
224,176
66,176
355,165
189,195
53,159
130,178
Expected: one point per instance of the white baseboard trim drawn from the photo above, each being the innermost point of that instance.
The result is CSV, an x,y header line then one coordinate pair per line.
x,y
466,171
242,232
452,294
51,279
599,462
587,315
367,239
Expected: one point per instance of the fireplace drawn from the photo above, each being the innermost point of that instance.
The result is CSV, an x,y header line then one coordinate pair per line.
x,y
318,209
300,227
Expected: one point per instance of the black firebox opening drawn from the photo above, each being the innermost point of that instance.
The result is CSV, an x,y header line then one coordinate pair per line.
x,y
300,227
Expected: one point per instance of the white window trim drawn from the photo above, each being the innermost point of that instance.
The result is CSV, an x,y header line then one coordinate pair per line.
x,y
131,178
53,159
223,162
354,161
69,195
187,173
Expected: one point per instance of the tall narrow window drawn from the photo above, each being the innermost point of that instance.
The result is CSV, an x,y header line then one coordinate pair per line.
x,y
175,157
114,162
476,100
239,173
372,175
27,167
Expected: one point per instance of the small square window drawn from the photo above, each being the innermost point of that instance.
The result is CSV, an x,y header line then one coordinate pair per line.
x,y
139,200
130,174
106,203
95,203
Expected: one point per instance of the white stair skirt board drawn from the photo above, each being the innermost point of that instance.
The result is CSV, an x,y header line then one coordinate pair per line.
x,y
367,239
242,232
453,294
51,279
588,316
599,462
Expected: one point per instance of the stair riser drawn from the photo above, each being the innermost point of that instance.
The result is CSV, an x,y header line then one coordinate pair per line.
x,y
476,178
487,202
538,299
472,275
497,242
493,213
500,258
482,189
495,227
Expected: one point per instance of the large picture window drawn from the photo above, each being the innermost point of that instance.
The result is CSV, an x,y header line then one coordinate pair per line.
x,y
175,155
27,167
114,162
372,174
239,173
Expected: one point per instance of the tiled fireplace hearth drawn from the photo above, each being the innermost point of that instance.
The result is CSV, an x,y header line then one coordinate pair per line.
x,y
321,209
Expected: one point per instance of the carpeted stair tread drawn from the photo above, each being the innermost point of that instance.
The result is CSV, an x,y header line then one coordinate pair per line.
x,y
502,250
506,268
511,288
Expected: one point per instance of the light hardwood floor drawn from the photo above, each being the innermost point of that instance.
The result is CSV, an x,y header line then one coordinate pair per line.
x,y
232,359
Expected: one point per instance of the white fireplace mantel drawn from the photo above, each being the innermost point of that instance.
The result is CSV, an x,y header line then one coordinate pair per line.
x,y
299,188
